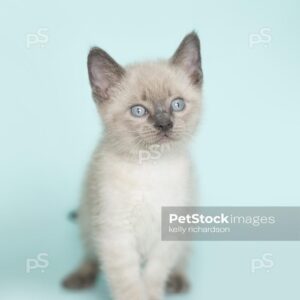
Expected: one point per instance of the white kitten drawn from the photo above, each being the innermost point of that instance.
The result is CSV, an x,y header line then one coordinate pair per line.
x,y
149,112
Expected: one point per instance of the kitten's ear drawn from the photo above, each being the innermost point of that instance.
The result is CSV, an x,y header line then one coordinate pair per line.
x,y
104,73
188,57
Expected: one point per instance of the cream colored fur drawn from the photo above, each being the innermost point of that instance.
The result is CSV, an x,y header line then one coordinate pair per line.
x,y
120,212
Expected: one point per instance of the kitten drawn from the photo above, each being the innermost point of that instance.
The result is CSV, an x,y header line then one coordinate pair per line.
x,y
146,108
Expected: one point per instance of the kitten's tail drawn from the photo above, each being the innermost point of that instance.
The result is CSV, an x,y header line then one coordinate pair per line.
x,y
73,215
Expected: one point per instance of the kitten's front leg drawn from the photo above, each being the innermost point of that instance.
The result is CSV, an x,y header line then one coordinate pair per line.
x,y
158,268
121,264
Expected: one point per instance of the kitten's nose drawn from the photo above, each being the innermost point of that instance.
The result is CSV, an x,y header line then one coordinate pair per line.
x,y
164,127
163,122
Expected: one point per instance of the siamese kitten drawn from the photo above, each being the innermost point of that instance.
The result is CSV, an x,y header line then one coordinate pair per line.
x,y
149,111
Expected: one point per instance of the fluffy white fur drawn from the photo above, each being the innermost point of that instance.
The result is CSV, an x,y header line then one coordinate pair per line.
x,y
122,214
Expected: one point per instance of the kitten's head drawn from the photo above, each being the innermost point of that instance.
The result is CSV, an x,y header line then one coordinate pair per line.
x,y
150,103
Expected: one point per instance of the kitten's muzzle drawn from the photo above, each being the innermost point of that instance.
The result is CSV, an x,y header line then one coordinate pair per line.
x,y
163,122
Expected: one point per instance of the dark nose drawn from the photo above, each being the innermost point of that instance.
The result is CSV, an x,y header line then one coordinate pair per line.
x,y
163,124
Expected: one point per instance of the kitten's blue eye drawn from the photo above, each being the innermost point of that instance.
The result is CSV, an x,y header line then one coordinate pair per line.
x,y
178,104
138,111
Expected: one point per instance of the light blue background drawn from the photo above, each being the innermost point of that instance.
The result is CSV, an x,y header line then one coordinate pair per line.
x,y
247,151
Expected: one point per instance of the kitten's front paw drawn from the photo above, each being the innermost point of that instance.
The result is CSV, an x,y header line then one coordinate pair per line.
x,y
177,283
79,280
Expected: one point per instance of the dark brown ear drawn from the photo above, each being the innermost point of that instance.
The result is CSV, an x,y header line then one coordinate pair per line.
x,y
188,57
104,73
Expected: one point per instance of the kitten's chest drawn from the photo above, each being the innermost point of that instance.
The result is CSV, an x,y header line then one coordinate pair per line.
x,y
130,188
156,186
133,194
155,183
142,189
